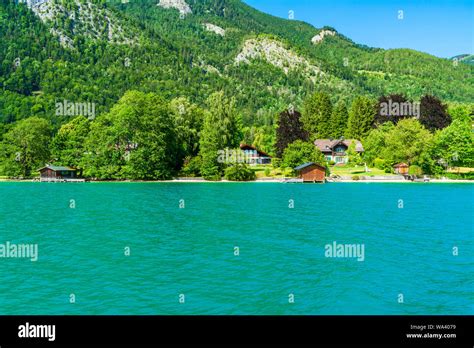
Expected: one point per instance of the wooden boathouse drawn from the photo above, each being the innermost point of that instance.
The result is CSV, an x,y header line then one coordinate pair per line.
x,y
311,172
52,173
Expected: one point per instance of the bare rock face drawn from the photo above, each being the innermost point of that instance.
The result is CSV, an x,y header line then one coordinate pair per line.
x,y
180,5
275,53
318,38
214,28
64,40
88,21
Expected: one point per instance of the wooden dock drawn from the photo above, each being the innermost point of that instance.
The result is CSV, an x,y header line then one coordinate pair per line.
x,y
61,180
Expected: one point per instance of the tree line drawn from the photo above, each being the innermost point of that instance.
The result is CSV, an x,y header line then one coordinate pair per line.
x,y
146,137
431,136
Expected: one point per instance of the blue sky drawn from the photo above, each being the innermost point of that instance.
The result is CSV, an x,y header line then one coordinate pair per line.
x,y
444,28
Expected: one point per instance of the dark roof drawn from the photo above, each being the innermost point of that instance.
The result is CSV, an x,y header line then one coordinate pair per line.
x,y
308,164
250,147
58,168
329,144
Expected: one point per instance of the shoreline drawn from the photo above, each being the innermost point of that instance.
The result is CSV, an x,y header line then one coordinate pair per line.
x,y
271,181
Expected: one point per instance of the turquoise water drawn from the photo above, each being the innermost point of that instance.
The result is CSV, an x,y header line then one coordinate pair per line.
x,y
190,250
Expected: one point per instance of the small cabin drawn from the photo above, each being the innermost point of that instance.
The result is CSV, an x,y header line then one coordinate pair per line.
x,y
311,172
56,173
401,168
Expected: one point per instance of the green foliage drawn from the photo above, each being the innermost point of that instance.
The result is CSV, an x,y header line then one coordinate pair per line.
x,y
316,116
135,140
68,146
25,148
192,167
188,119
361,117
209,147
379,163
455,144
260,137
194,69
339,120
174,57
354,157
227,123
461,112
407,142
374,143
276,162
300,152
239,172
220,131
460,176
415,170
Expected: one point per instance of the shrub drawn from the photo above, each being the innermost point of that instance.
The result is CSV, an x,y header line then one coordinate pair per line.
x,y
276,162
456,176
267,171
379,163
356,178
300,152
192,167
331,163
415,170
239,172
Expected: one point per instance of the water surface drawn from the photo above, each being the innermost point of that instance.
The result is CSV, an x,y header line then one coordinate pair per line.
x,y
190,250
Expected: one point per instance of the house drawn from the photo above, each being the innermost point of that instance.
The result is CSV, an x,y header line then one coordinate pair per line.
x,y
254,156
57,173
401,168
311,172
336,149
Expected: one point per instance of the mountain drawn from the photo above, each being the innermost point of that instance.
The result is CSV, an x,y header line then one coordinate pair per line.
x,y
464,58
96,50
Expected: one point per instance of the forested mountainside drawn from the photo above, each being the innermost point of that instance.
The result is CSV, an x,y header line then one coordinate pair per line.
x,y
96,50
159,84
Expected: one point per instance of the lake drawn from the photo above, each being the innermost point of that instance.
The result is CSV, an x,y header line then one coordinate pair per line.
x,y
237,248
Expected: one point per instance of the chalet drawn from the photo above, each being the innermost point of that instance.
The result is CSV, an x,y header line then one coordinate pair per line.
x,y
401,168
311,172
57,173
254,156
336,149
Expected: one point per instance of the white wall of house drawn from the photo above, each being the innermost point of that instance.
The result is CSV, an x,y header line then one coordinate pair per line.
x,y
337,159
